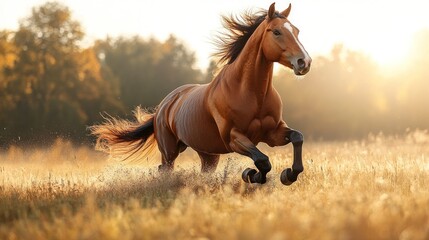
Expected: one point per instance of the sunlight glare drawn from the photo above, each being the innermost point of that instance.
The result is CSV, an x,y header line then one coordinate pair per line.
x,y
390,51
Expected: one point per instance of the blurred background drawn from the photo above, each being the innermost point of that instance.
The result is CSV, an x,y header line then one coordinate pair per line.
x,y
63,63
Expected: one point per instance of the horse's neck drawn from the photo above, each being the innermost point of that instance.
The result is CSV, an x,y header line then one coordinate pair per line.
x,y
252,72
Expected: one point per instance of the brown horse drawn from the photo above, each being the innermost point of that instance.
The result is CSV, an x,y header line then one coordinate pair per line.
x,y
233,113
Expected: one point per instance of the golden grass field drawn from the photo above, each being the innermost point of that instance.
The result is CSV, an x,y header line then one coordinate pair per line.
x,y
376,188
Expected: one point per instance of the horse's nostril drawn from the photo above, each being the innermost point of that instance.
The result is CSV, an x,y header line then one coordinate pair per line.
x,y
301,63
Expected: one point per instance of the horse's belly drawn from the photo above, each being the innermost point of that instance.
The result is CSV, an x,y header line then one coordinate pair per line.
x,y
202,138
196,128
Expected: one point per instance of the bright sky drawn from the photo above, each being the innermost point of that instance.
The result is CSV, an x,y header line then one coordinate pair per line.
x,y
382,29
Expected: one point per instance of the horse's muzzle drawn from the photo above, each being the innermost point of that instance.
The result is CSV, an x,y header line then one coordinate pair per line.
x,y
301,66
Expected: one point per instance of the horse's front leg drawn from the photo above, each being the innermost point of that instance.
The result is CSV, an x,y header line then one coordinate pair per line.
x,y
285,135
241,144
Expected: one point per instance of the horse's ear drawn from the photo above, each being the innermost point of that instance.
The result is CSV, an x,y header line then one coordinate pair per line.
x,y
286,12
271,11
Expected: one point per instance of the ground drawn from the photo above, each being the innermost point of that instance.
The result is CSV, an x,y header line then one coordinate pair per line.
x,y
375,188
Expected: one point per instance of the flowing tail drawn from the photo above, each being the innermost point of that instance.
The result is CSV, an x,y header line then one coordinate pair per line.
x,y
124,138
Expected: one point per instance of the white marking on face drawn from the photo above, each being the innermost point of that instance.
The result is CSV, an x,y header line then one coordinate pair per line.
x,y
289,27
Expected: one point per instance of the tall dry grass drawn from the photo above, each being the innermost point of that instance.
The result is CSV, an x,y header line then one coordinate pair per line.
x,y
371,189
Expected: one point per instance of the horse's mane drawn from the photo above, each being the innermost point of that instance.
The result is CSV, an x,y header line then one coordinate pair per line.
x,y
229,44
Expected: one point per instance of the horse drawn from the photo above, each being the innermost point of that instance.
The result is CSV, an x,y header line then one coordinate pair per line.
x,y
237,110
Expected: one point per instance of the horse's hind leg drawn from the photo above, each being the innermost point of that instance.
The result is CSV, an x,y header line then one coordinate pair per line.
x,y
169,147
208,161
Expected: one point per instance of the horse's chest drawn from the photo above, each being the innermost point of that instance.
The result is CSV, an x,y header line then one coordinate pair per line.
x,y
253,119
258,127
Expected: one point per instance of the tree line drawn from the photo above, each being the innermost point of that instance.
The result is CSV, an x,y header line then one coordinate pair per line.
x,y
51,86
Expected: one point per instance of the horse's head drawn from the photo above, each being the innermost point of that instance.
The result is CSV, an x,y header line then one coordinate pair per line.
x,y
281,42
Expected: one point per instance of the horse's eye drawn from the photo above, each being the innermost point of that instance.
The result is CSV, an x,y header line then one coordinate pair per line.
x,y
276,32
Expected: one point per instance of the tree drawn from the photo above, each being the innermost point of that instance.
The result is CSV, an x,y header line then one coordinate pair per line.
x,y
148,69
7,58
55,82
211,71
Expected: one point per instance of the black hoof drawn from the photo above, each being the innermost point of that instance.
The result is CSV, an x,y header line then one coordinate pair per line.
x,y
248,174
286,177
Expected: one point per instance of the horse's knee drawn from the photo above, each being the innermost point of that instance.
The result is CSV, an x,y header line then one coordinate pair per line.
x,y
296,137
